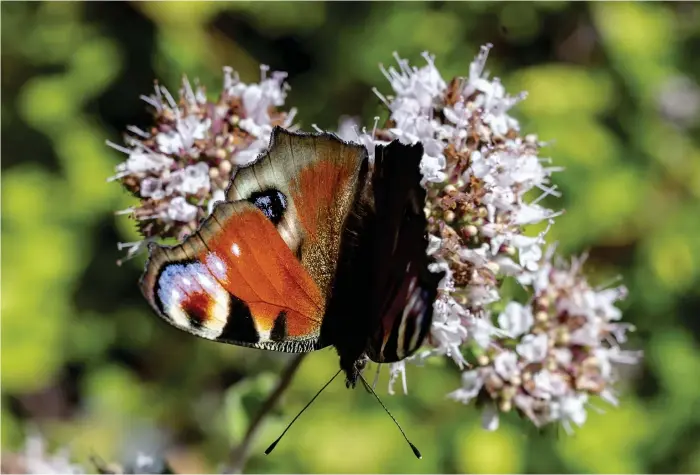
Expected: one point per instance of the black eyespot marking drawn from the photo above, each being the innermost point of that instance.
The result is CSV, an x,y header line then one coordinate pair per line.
x,y
271,202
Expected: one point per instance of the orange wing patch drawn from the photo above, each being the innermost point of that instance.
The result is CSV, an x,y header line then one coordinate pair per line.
x,y
263,272
315,192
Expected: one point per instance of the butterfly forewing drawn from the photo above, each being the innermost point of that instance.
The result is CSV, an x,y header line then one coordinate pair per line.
x,y
259,270
319,175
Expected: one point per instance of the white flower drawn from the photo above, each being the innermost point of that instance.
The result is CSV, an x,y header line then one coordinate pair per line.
x,y
481,295
249,155
141,161
516,319
442,266
506,265
182,139
37,460
588,334
548,385
533,348
432,168
348,128
532,214
481,331
257,99
255,129
190,180
563,356
569,409
490,417
527,170
506,365
472,382
459,115
181,210
479,167
530,252
679,100
604,300
478,256
152,188
256,104
195,178
217,196
395,370
447,331
476,78
434,244
423,85
609,396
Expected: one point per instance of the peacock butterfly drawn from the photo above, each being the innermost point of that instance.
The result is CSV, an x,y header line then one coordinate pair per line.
x,y
314,246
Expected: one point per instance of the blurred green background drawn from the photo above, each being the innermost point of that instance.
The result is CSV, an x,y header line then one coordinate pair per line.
x,y
84,360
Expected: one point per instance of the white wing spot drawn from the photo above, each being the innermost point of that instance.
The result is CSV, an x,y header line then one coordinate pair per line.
x,y
206,281
236,250
216,266
186,281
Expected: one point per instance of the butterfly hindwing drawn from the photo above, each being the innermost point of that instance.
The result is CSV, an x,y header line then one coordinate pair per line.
x,y
221,283
259,270
404,289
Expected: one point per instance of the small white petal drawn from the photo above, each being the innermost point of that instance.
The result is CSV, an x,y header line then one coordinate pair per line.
x,y
533,348
489,418
471,385
506,365
395,370
152,188
434,244
180,210
516,319
216,197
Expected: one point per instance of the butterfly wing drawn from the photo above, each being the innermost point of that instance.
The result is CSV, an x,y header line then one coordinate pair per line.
x,y
258,271
320,176
404,289
222,284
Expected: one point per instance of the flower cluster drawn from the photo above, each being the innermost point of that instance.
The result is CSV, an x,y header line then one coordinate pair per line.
x,y
485,183
182,165
477,170
36,459
560,349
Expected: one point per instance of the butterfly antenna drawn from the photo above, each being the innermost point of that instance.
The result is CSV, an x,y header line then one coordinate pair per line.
x,y
416,452
274,444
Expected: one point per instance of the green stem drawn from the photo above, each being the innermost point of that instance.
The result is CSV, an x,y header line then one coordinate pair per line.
x,y
239,455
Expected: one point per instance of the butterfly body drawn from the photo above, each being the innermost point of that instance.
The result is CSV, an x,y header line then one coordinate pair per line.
x,y
314,247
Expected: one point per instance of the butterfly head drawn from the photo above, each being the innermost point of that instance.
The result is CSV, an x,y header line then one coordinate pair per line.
x,y
353,370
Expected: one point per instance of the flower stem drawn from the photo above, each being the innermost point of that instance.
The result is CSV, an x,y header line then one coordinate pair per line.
x,y
239,454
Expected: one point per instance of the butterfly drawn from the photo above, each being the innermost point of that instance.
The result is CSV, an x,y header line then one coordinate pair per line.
x,y
314,246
